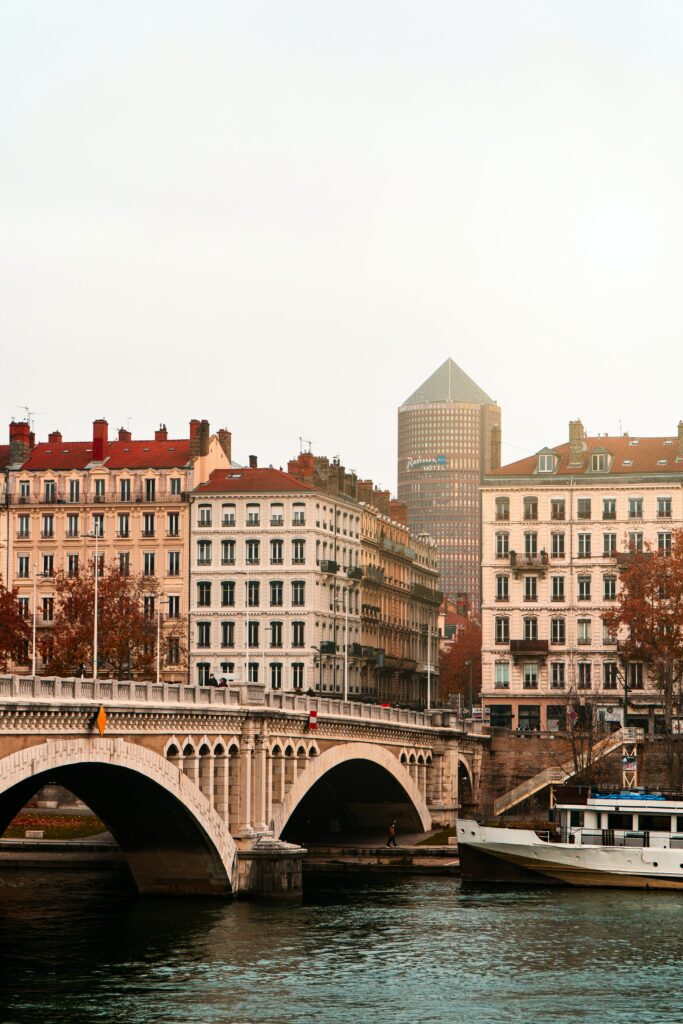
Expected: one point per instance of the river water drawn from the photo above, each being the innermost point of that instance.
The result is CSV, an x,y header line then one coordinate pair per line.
x,y
80,947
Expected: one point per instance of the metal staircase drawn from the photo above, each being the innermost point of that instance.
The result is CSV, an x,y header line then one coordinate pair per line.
x,y
550,776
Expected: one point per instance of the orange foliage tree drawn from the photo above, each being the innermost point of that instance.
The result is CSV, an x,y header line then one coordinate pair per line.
x,y
127,631
14,628
463,655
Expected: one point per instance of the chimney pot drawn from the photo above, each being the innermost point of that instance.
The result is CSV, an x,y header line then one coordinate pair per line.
x,y
253,462
55,437
162,433
19,441
125,435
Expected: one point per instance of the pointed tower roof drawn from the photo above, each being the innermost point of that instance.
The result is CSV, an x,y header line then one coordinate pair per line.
x,y
449,384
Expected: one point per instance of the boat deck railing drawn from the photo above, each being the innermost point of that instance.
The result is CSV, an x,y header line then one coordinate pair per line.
x,y
615,837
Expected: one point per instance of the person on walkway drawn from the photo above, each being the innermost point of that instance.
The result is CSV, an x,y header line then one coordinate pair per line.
x,y
391,841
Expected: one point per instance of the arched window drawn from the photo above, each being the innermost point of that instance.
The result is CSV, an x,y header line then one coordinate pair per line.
x,y
276,675
204,515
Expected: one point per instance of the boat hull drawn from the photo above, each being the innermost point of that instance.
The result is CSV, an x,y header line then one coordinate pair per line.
x,y
514,857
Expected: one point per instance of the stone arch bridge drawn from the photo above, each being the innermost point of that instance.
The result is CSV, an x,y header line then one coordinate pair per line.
x,y
212,791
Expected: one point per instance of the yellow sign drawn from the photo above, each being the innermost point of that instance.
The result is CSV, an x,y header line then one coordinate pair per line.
x,y
101,720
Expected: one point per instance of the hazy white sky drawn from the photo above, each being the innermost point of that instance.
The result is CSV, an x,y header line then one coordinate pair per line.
x,y
283,215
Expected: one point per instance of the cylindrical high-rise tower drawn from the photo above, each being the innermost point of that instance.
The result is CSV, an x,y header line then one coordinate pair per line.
x,y
448,437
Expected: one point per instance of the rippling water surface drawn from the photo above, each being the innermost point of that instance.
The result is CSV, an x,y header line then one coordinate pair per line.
x,y
78,947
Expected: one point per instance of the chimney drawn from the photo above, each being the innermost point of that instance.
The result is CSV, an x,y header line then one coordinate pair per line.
x,y
398,510
32,439
100,437
19,441
204,437
125,435
302,467
576,445
162,433
225,441
194,437
496,439
253,462
55,437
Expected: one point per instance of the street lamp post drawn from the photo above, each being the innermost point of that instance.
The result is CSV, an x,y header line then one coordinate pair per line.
x,y
470,666
429,666
161,602
346,643
35,613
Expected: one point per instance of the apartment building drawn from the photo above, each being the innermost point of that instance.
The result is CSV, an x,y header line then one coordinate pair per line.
x,y
274,583
126,499
555,526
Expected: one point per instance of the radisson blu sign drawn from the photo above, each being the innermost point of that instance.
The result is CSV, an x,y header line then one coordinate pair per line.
x,y
429,465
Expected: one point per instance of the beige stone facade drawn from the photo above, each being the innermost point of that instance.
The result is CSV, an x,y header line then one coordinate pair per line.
x,y
554,527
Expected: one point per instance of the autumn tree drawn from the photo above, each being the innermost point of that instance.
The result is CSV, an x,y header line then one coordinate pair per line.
x,y
127,624
14,628
648,615
462,662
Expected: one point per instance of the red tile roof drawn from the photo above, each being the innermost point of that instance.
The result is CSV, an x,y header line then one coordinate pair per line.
x,y
250,481
117,455
629,455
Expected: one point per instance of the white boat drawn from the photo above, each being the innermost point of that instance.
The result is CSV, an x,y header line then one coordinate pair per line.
x,y
628,839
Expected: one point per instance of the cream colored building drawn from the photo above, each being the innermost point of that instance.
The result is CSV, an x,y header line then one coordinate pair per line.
x,y
132,494
554,526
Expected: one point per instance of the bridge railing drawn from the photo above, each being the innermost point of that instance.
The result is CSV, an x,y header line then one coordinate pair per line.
x,y
27,689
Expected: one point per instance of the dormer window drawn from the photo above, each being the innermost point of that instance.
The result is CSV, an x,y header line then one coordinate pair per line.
x,y
546,463
599,462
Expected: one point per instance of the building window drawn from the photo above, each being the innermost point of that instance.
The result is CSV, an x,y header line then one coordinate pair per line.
x,y
173,650
609,508
558,634
298,675
276,593
228,668
174,563
74,490
609,545
530,675
150,489
557,583
530,588
48,526
253,634
148,563
664,508
48,609
584,583
175,485
148,524
599,462
502,588
584,545
227,634
24,526
609,675
546,463
99,489
204,515
502,545
228,593
275,675
583,631
124,563
531,629
298,552
148,606
277,514
228,517
203,672
203,552
173,524
664,543
502,509
253,514
557,675
253,552
276,634
531,545
557,510
531,508
174,606
635,508
502,677
557,545
124,490
203,634
25,488
299,514
635,675
203,594
502,625
23,605
252,671
609,588
123,520
72,566
298,594
49,565
227,552
585,675
635,541
298,634
276,552
49,494
253,594
583,508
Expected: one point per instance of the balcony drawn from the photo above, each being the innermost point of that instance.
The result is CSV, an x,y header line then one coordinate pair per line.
x,y
329,566
328,647
148,533
521,564
228,521
277,520
372,572
528,649
253,520
354,573
426,594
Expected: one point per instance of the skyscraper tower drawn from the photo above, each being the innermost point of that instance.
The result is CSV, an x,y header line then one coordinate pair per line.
x,y
448,437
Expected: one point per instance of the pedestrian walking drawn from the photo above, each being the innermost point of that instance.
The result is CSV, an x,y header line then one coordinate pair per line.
x,y
391,841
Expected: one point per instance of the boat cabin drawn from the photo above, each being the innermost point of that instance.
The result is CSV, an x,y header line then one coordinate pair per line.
x,y
588,817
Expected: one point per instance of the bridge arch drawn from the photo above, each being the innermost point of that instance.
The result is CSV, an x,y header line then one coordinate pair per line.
x,y
323,766
172,838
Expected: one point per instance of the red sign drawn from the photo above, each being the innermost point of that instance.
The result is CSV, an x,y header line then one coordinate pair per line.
x,y
312,719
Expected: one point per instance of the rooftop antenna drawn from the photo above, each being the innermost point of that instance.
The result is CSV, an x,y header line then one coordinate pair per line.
x,y
620,429
30,416
302,442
